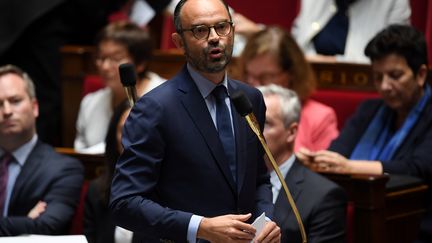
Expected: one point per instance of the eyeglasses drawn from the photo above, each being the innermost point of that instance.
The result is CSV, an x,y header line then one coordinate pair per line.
x,y
203,31
263,78
111,60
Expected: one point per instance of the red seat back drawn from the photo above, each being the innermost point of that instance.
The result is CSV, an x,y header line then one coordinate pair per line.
x,y
77,225
92,83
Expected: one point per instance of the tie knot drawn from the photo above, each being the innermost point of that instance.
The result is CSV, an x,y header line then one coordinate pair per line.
x,y
220,92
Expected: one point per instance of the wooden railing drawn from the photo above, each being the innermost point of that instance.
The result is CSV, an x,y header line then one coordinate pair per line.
x,y
386,208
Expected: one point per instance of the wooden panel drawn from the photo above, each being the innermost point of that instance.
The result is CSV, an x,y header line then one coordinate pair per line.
x,y
93,164
167,63
384,210
346,76
77,61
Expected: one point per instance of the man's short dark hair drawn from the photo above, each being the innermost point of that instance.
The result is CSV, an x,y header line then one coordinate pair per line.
x,y
402,40
177,20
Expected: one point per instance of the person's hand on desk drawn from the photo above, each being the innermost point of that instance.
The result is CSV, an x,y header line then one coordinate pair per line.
x,y
331,162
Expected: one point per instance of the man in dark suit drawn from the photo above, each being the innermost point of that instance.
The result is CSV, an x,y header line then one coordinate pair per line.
x,y
39,188
186,173
321,203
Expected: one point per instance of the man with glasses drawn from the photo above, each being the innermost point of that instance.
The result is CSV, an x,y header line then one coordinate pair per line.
x,y
192,170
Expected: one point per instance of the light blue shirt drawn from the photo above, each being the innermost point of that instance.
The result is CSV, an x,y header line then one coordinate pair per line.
x,y
205,87
274,180
20,156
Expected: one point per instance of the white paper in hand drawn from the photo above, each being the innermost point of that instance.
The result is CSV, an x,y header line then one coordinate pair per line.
x,y
258,224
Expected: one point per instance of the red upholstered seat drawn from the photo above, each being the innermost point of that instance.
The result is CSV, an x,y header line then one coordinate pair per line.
x,y
92,83
78,219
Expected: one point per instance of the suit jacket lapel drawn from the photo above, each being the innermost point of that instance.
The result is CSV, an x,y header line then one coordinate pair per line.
x,y
30,167
195,105
293,179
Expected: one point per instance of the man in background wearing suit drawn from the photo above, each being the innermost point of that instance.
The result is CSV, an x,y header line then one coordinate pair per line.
x,y
321,203
39,188
192,169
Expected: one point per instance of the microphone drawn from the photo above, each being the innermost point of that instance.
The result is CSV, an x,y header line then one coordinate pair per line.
x,y
244,107
128,79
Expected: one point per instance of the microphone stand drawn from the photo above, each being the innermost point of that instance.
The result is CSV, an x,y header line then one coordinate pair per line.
x,y
131,94
254,125
128,80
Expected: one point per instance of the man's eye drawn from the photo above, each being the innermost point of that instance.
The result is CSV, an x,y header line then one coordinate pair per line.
x,y
221,26
201,29
15,101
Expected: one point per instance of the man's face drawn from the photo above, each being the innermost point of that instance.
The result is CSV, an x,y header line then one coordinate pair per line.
x,y
212,54
396,82
275,133
18,111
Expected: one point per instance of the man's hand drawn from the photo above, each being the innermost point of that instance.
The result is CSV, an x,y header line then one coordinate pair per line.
x,y
271,233
37,210
226,228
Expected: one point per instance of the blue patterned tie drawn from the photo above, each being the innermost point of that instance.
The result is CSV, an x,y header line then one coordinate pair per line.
x,y
224,127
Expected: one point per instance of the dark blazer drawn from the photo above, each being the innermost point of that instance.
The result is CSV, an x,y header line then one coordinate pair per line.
x,y
321,204
412,158
174,165
50,177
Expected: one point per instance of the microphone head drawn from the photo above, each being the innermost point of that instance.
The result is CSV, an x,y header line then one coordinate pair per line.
x,y
241,103
127,74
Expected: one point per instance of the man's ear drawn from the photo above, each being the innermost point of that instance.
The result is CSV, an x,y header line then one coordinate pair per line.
x,y
178,41
422,75
292,133
35,105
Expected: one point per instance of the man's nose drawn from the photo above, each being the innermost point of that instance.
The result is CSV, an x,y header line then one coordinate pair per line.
x,y
213,36
6,108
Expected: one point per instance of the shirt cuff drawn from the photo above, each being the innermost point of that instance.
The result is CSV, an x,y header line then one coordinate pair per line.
x,y
193,228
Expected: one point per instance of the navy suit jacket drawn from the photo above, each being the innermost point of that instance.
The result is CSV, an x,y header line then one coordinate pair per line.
x,y
174,165
320,202
50,177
